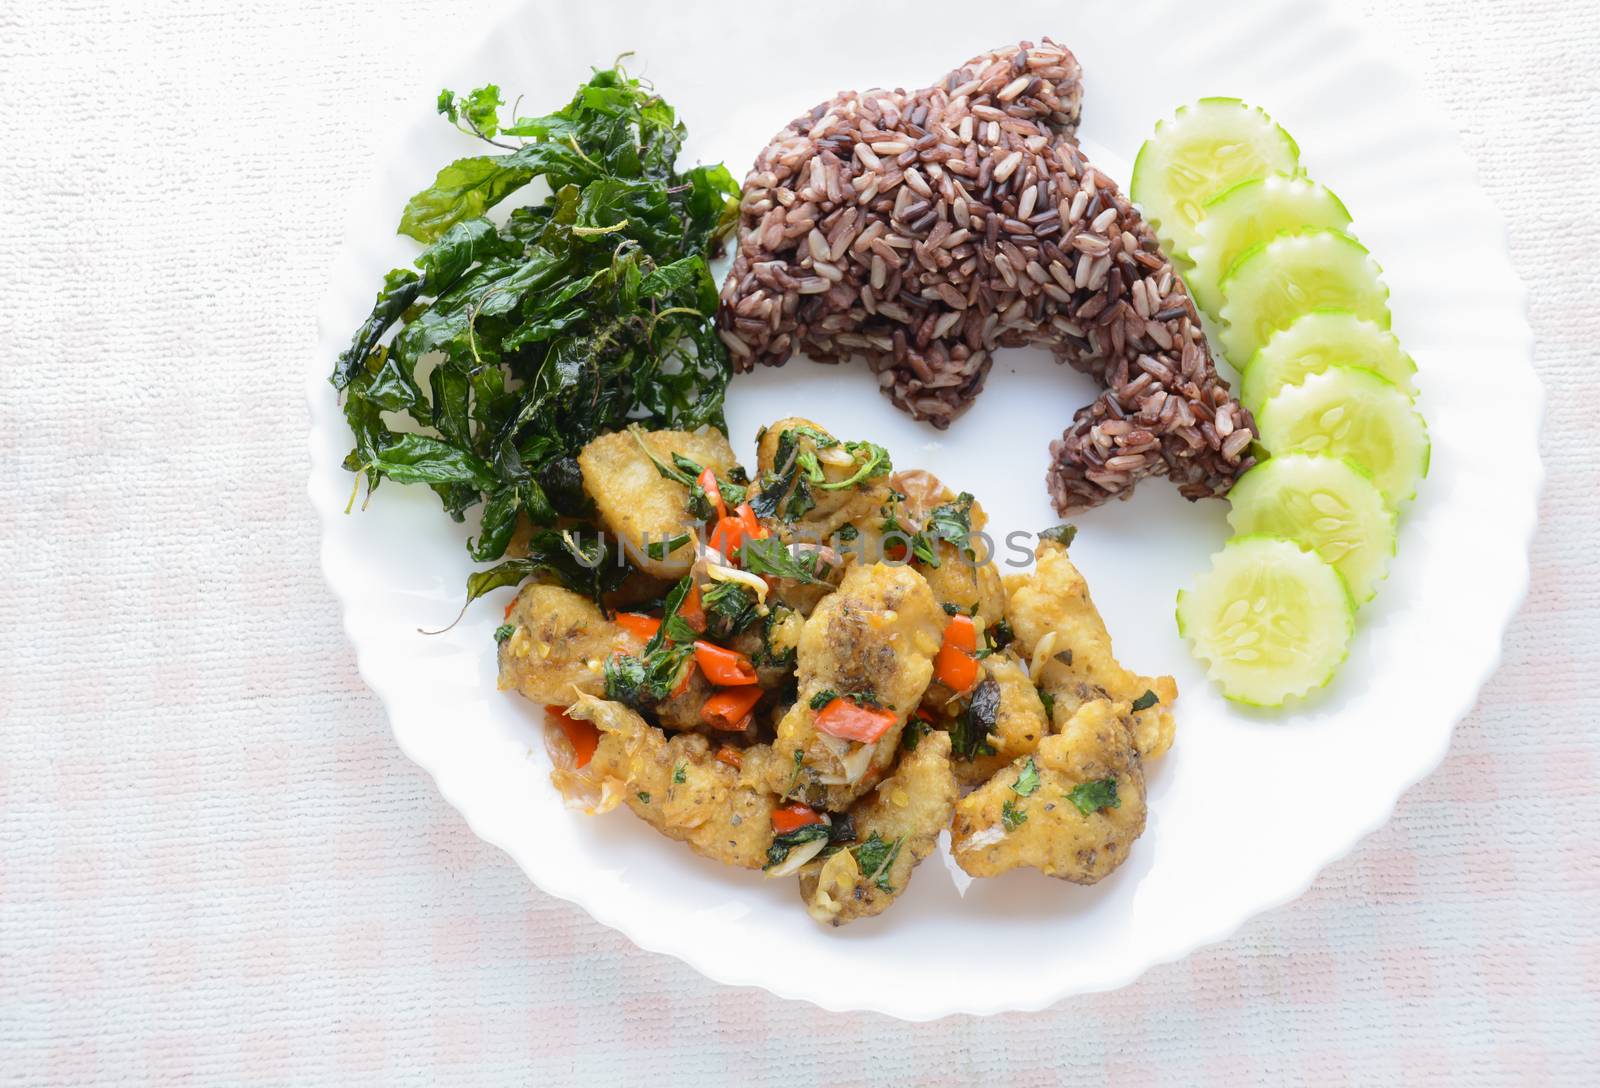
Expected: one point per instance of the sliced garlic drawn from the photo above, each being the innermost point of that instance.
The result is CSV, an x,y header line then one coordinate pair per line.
x,y
798,856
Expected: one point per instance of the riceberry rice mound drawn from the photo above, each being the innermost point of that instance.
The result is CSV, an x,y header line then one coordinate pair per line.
x,y
923,230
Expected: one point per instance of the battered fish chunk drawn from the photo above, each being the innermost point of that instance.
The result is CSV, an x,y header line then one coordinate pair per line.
x,y
678,787
558,645
876,635
896,826
1059,631
1073,814
833,507
1019,720
635,501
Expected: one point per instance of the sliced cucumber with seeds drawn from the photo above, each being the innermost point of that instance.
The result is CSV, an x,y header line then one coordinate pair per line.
x,y
1350,412
1202,150
1270,619
1329,504
1317,341
1248,214
1274,283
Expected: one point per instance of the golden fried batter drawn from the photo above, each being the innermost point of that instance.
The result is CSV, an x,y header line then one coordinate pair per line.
x,y
634,500
1062,635
1033,815
1020,723
833,508
558,645
905,814
876,635
678,787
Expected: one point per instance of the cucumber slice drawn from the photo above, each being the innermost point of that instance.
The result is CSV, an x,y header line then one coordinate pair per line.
x,y
1245,216
1202,150
1270,619
1350,412
1317,341
1274,283
1328,504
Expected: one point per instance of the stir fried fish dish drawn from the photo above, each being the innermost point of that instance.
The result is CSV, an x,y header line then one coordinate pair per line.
x,y
815,668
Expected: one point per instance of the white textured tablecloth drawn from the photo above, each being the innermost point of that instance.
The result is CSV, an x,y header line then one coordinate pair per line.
x,y
215,866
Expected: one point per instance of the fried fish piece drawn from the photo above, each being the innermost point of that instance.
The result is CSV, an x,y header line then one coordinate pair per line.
x,y
676,785
1018,724
635,501
1060,633
1071,810
896,826
874,637
834,506
558,645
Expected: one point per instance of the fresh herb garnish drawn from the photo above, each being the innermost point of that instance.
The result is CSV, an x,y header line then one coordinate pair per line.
x,y
577,559
969,734
1091,797
875,856
583,312
847,533
823,698
643,796
1012,816
916,728
778,852
1049,702
678,774
660,549
729,608
770,556
1061,534
1027,779
504,631
952,523
1145,701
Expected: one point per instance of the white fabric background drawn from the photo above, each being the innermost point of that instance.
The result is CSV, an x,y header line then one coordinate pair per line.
x,y
216,867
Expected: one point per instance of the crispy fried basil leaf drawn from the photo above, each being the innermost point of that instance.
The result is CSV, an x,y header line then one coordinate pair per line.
x,y
510,346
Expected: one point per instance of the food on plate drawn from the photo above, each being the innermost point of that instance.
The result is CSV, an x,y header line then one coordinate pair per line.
x,y
1305,317
1249,214
1316,341
924,230
1071,809
1060,634
814,707
1271,620
555,644
1327,503
894,827
1198,153
866,656
1269,286
519,338
1351,412
677,785
647,509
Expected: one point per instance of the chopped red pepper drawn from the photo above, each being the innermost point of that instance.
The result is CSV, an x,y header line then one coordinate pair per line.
x,y
954,666
724,668
708,484
795,816
734,529
683,684
731,756
730,710
850,721
583,736
691,610
638,625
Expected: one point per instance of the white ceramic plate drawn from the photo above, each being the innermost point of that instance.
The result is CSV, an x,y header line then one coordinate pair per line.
x,y
1248,807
